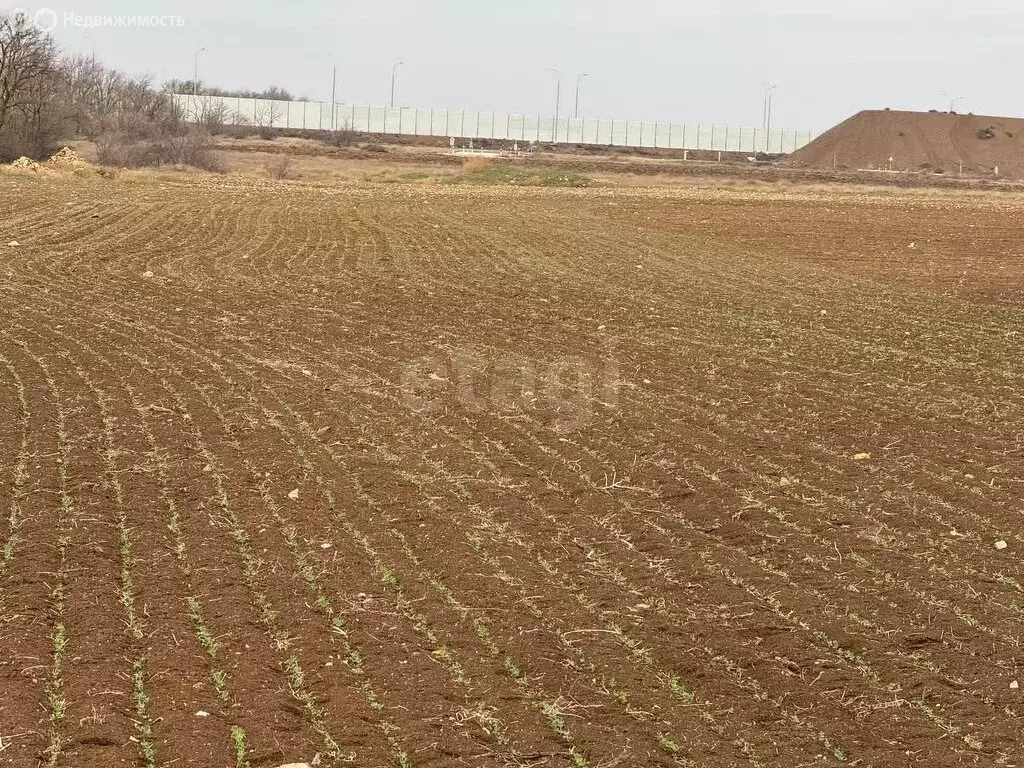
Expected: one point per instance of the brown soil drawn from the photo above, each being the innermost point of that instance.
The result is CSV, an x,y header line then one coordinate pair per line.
x,y
437,476
932,142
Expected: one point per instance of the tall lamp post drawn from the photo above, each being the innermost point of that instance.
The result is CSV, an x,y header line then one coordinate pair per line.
x,y
579,80
394,75
195,73
334,99
769,93
558,103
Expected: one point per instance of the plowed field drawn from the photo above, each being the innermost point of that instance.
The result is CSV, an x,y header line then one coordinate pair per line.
x,y
409,475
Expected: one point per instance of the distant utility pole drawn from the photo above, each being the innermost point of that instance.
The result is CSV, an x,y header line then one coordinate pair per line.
x,y
578,81
195,73
953,103
334,99
394,75
769,90
558,102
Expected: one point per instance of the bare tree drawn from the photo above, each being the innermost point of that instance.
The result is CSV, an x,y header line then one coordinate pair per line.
x,y
28,57
273,93
213,114
265,117
82,92
45,99
42,120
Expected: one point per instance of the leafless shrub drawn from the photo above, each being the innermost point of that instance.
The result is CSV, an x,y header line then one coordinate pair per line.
x,y
344,136
265,118
280,167
214,115
193,148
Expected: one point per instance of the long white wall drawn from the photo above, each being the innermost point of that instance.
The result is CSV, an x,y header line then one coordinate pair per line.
x,y
469,124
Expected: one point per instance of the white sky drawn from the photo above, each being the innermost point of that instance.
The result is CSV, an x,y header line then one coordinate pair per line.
x,y
647,59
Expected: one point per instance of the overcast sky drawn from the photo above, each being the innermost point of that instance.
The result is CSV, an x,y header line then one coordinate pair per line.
x,y
647,59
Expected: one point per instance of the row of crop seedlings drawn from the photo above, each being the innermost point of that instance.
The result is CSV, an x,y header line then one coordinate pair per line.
x,y
251,564
553,708
206,639
601,566
819,638
308,574
491,724
670,680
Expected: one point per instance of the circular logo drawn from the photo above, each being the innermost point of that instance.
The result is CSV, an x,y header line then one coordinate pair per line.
x,y
46,19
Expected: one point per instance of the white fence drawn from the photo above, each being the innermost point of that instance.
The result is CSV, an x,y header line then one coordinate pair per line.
x,y
468,124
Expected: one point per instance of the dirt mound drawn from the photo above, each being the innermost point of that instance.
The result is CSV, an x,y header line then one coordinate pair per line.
x,y
26,164
67,158
920,141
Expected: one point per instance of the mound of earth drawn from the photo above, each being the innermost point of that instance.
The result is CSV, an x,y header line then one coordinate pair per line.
x,y
920,141
26,164
67,158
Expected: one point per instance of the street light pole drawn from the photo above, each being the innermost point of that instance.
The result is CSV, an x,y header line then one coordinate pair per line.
x,y
769,91
334,99
578,81
558,103
195,73
394,74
